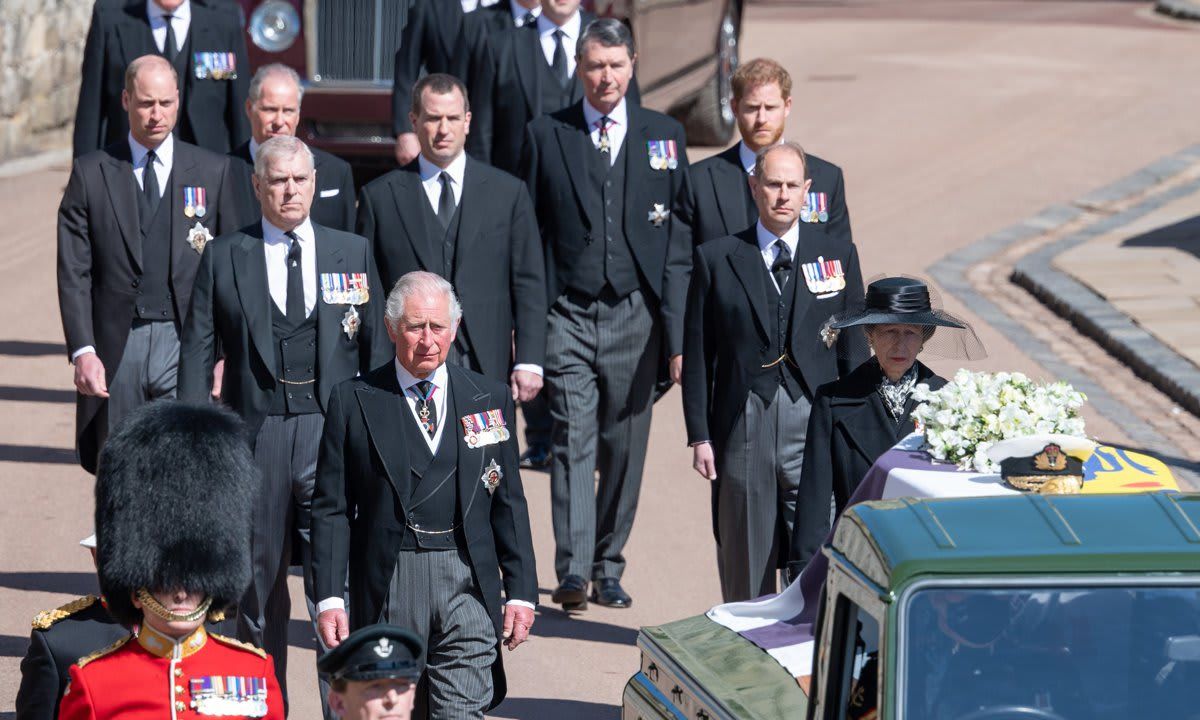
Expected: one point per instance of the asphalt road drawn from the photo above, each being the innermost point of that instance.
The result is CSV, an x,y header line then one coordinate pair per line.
x,y
951,120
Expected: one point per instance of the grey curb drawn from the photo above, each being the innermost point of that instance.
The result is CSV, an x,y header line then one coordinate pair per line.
x,y
1182,9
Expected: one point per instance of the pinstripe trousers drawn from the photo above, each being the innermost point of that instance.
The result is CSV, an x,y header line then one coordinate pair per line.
x,y
285,451
602,361
433,593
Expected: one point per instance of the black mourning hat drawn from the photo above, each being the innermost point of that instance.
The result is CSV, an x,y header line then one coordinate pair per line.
x,y
375,652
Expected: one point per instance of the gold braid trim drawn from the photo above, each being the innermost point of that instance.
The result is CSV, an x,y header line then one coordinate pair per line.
x,y
46,618
239,644
104,651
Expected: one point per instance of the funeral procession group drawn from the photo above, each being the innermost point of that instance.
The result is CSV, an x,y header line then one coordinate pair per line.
x,y
276,368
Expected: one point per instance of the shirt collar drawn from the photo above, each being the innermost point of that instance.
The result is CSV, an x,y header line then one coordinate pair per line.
x,y
518,12
570,28
253,150
747,156
407,379
183,12
619,115
766,238
164,646
304,231
456,169
165,152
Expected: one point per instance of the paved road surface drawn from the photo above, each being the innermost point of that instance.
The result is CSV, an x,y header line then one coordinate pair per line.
x,y
951,119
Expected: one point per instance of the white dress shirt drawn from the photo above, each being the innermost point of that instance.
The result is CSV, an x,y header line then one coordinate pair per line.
x,y
431,179
519,13
181,20
275,248
440,379
747,156
769,251
164,157
617,129
570,31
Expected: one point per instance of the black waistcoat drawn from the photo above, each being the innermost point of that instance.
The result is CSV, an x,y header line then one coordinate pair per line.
x,y
154,301
554,97
443,242
607,259
784,372
296,362
433,503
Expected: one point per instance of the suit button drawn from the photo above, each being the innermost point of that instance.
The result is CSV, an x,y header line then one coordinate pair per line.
x,y
164,313
310,369
285,343
179,706
608,220
312,343
291,396
135,282
179,689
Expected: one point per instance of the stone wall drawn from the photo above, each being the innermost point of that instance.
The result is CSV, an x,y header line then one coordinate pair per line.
x,y
41,45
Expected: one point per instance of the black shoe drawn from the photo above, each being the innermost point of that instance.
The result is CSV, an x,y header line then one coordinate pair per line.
x,y
537,457
609,593
571,593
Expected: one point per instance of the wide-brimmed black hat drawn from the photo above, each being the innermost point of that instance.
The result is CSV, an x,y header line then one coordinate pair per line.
x,y
903,300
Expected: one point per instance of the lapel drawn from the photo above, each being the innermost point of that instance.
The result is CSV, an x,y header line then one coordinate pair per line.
x,y
527,49
747,264
330,259
469,217
447,29
408,194
574,143
730,189
117,170
468,398
134,34
242,152
183,173
637,160
382,403
250,279
805,318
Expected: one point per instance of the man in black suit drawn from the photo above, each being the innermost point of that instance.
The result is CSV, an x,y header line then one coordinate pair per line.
x,y
129,243
450,215
603,174
432,42
756,349
204,44
719,201
296,308
273,108
419,496
483,22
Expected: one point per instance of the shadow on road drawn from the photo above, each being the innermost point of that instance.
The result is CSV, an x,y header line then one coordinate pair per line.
x,y
37,454
13,646
300,634
13,393
1183,235
547,708
67,583
26,348
552,622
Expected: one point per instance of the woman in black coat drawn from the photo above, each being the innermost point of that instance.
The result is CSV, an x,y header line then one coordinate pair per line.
x,y
857,418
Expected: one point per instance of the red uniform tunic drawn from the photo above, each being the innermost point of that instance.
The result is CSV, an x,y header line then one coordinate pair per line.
x,y
154,677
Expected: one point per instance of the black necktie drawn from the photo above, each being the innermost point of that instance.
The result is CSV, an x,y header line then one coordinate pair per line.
x,y
782,267
527,20
426,411
170,48
446,204
150,192
295,281
558,67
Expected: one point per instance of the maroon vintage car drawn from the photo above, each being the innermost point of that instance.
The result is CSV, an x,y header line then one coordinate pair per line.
x,y
344,50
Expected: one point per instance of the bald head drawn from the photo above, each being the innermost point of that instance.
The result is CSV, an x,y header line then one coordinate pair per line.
x,y
151,98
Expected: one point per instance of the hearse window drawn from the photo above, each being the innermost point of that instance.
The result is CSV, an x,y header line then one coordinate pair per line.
x,y
854,663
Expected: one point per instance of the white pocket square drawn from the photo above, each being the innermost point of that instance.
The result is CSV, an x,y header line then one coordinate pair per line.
x,y
330,193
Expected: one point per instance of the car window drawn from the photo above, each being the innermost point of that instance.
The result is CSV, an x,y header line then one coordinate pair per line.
x,y
854,669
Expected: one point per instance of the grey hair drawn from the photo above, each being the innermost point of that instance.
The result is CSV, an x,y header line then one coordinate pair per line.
x,y
419,282
277,148
760,160
609,32
266,71
146,62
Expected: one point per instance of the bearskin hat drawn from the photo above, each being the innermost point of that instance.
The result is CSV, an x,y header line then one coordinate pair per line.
x,y
174,498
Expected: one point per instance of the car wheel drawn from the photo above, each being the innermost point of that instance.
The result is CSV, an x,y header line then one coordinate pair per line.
x,y
709,119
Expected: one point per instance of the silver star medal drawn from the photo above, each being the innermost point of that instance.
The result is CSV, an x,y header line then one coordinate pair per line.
x,y
491,477
829,335
350,322
198,237
658,215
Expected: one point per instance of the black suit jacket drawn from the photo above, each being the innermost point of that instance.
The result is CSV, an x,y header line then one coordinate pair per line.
x,y
847,432
364,482
52,652
100,254
333,201
569,213
231,305
433,41
120,34
727,321
498,273
718,202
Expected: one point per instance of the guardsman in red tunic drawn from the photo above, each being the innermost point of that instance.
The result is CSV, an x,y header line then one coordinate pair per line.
x,y
174,495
